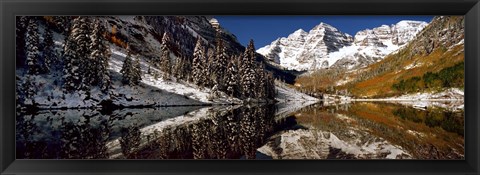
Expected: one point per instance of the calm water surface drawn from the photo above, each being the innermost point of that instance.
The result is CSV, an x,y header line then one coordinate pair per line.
x,y
363,130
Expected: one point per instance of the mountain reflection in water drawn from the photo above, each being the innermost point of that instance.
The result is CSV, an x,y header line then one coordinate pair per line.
x,y
371,130
364,130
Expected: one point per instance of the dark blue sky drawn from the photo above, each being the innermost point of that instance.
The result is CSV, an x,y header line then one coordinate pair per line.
x,y
264,29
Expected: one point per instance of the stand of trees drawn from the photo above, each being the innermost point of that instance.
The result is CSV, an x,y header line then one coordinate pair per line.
x,y
446,78
238,76
86,52
86,56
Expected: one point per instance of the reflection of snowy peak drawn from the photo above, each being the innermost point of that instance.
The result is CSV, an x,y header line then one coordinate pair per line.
x,y
300,49
325,46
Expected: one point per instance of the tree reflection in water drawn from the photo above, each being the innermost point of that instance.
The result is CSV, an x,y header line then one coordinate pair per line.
x,y
225,133
366,131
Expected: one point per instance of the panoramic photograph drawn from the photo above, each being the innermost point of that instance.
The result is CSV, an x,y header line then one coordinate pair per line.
x,y
240,87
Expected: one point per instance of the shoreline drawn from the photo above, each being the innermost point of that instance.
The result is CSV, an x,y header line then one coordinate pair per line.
x,y
403,99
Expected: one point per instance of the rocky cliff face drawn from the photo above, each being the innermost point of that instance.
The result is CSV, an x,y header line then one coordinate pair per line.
x,y
325,46
372,45
300,50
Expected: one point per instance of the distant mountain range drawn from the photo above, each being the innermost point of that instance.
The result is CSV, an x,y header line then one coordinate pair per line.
x,y
406,58
325,46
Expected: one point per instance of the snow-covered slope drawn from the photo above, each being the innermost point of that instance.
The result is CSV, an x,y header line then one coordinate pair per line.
x,y
300,49
176,87
290,100
142,36
151,91
325,46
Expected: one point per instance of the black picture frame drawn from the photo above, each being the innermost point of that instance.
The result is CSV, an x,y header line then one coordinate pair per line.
x,y
10,8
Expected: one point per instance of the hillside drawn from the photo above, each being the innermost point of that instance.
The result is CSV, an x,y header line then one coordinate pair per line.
x,y
431,62
137,61
428,63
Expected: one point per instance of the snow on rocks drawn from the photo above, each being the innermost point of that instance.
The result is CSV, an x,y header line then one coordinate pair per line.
x,y
324,46
450,99
298,144
291,100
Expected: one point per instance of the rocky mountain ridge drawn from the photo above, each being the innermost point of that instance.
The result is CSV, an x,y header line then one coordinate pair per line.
x,y
325,46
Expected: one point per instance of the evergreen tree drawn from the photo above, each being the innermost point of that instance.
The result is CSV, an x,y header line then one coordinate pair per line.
x,y
76,53
248,72
208,69
178,69
130,140
232,78
219,66
32,54
127,70
187,69
137,71
100,53
63,23
260,82
131,71
198,63
165,63
20,31
48,50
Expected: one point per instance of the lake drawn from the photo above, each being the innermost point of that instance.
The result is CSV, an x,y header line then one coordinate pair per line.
x,y
358,130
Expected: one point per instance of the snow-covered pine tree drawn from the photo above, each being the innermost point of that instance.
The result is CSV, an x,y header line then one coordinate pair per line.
x,y
131,70
178,68
63,23
232,78
20,31
127,70
100,53
208,69
49,55
165,63
33,54
137,71
248,72
220,66
260,82
198,66
187,69
76,53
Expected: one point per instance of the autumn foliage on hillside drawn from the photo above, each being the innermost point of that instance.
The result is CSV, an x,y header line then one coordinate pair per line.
x,y
114,38
432,61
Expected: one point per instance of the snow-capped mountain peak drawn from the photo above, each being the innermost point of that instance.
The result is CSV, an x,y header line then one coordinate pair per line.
x,y
299,32
300,49
325,46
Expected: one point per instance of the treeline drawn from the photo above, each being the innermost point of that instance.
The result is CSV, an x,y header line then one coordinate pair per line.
x,y
446,78
433,117
238,76
84,61
321,81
